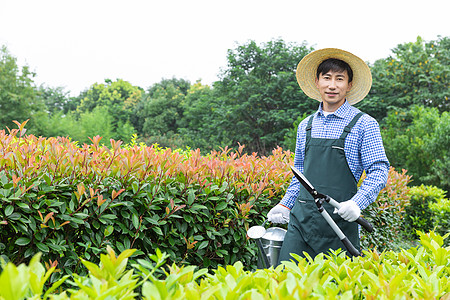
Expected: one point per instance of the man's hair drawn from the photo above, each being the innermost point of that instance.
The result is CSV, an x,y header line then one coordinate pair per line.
x,y
335,65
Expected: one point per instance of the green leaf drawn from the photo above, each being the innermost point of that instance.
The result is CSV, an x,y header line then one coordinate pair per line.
x,y
153,219
202,245
4,180
222,205
22,205
15,216
105,219
42,247
223,187
211,235
196,206
47,179
22,241
80,215
9,210
135,220
72,205
96,224
56,248
157,230
187,218
55,286
191,197
109,230
14,282
56,203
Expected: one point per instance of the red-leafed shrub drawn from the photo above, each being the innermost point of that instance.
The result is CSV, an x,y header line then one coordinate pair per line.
x,y
387,213
70,201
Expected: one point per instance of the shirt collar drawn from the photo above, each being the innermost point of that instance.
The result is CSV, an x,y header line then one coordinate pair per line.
x,y
341,112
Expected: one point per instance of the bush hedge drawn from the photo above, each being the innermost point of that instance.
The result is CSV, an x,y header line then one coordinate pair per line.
x,y
441,212
428,210
387,214
419,214
70,202
421,272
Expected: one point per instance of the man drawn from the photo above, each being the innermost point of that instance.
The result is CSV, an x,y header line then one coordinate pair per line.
x,y
334,146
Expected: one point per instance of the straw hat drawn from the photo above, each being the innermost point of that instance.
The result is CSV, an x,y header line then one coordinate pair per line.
x,y
307,69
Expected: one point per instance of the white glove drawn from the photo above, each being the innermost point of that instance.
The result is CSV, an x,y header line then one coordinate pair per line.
x,y
349,211
279,214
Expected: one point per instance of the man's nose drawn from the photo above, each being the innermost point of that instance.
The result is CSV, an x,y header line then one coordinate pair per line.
x,y
332,84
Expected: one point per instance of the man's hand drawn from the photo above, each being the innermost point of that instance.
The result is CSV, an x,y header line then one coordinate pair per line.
x,y
279,214
349,211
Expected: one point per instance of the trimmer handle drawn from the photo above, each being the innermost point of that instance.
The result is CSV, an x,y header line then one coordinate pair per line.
x,y
353,251
361,221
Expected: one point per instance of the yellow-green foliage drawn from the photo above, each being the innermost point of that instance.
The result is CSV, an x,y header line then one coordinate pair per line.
x,y
441,214
427,191
428,209
417,273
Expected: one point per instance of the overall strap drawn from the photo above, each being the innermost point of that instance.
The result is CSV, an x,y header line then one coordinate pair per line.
x,y
350,125
308,127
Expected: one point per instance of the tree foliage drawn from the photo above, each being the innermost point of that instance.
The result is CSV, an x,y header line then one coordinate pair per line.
x,y
257,102
200,125
259,95
416,73
417,139
17,92
161,108
158,113
118,97
56,99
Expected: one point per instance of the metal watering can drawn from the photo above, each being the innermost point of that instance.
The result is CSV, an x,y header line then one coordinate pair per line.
x,y
269,243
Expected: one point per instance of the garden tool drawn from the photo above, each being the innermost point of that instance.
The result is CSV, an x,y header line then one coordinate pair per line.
x,y
269,242
319,199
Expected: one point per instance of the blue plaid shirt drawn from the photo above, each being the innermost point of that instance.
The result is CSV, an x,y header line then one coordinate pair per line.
x,y
363,149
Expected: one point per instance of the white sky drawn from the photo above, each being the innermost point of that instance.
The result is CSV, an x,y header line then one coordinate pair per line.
x,y
74,44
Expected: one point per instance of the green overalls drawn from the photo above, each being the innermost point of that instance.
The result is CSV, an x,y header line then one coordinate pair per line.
x,y
326,167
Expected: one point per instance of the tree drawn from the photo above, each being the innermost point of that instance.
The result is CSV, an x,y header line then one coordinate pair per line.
x,y
160,110
417,139
119,98
57,99
290,139
439,145
96,122
259,98
18,99
63,124
416,73
199,127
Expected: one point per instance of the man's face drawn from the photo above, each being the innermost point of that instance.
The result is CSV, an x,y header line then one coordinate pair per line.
x,y
333,87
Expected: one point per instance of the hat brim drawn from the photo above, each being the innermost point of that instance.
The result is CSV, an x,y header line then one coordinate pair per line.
x,y
307,69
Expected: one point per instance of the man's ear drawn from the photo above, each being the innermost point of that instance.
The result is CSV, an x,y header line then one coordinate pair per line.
x,y
349,86
316,81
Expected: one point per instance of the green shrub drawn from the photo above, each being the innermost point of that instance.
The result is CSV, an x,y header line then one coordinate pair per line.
x,y
421,272
387,214
418,139
441,213
419,214
69,202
